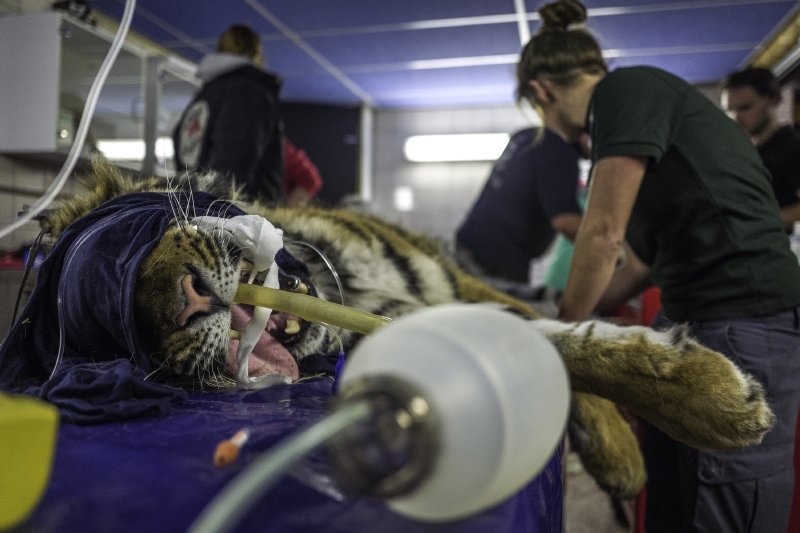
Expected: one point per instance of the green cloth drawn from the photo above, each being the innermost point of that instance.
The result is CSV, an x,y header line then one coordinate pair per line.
x,y
705,218
561,256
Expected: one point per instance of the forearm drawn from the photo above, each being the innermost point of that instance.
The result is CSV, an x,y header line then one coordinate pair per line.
x,y
628,280
789,214
592,267
567,223
615,185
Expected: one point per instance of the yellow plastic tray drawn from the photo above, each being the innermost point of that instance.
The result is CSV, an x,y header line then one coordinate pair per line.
x,y
28,429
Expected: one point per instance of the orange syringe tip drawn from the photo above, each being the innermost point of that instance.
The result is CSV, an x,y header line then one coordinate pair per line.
x,y
228,450
226,453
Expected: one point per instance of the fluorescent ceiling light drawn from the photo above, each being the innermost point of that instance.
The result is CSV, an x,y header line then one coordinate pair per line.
x,y
461,147
133,149
403,198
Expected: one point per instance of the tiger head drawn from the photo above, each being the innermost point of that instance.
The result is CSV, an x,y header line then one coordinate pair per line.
x,y
185,312
184,315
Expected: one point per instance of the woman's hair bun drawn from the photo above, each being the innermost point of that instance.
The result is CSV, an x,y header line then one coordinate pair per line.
x,y
560,14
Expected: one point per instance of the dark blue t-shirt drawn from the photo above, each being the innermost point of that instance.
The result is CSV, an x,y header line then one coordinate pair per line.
x,y
531,183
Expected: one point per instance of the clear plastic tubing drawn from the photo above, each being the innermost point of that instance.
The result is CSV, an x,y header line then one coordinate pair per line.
x,y
310,308
227,509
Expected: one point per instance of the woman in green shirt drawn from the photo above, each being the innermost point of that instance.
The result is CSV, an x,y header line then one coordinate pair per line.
x,y
680,182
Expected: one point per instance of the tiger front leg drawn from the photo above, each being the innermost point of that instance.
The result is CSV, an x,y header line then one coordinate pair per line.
x,y
690,392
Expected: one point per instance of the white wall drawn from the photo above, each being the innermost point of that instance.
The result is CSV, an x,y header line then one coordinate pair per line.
x,y
21,182
443,192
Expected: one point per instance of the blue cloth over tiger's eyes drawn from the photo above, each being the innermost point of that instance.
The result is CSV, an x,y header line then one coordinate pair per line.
x,y
93,267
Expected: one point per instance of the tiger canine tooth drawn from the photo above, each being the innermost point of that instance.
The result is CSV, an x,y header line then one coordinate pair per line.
x,y
302,288
236,335
292,326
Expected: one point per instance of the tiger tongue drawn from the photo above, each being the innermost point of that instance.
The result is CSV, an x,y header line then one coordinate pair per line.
x,y
268,356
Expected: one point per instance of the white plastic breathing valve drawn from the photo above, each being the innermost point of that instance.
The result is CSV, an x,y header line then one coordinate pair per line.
x,y
469,403
259,241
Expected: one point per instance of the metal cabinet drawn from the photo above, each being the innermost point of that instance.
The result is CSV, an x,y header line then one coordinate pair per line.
x,y
48,62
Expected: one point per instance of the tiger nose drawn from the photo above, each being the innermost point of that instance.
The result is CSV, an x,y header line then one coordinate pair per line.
x,y
196,302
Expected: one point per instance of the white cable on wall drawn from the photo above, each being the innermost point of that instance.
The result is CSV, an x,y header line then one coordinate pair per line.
x,y
83,129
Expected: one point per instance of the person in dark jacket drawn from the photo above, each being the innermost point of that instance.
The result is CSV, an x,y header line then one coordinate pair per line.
x,y
232,124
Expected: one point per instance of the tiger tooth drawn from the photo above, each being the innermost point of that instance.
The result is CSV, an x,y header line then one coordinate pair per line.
x,y
235,335
302,288
245,265
292,326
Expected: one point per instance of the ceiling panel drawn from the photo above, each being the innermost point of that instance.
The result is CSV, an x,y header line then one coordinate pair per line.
x,y
416,53
717,26
303,15
698,67
396,49
450,87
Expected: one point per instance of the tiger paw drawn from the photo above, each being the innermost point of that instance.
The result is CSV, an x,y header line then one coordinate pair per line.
x,y
690,392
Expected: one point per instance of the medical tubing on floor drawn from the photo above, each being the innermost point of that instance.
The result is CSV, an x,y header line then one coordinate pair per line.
x,y
83,129
228,508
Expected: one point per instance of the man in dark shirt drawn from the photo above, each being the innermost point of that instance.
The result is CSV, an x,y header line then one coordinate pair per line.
x,y
751,97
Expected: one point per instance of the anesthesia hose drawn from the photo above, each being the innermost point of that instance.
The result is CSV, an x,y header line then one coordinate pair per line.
x,y
229,506
445,414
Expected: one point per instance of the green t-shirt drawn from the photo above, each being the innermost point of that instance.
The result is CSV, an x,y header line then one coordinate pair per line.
x,y
705,218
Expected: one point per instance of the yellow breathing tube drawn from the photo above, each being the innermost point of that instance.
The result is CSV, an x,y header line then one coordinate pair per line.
x,y
310,308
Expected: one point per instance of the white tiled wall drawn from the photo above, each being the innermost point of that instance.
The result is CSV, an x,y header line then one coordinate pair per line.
x,y
443,192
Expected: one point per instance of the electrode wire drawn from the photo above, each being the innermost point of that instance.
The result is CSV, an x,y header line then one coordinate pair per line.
x,y
74,252
331,268
232,504
327,263
33,252
336,336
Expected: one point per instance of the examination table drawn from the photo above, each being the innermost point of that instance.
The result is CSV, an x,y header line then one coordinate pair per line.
x,y
156,475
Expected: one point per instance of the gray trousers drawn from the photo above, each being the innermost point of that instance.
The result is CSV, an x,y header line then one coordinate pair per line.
x,y
747,490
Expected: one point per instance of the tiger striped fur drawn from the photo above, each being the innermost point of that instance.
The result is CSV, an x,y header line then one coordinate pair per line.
x,y
687,390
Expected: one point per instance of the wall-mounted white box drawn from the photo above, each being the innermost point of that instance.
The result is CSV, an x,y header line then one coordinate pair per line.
x,y
30,61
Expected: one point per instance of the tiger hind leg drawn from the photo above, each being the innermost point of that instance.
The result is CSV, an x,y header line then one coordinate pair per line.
x,y
605,442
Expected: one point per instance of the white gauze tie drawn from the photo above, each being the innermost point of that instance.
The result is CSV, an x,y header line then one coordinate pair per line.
x,y
259,241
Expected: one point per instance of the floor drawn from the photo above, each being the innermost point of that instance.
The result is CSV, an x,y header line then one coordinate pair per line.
x,y
588,509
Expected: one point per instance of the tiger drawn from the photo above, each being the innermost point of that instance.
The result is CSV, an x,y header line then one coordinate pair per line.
x,y
183,306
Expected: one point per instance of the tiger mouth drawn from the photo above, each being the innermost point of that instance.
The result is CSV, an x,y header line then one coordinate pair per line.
x,y
269,356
